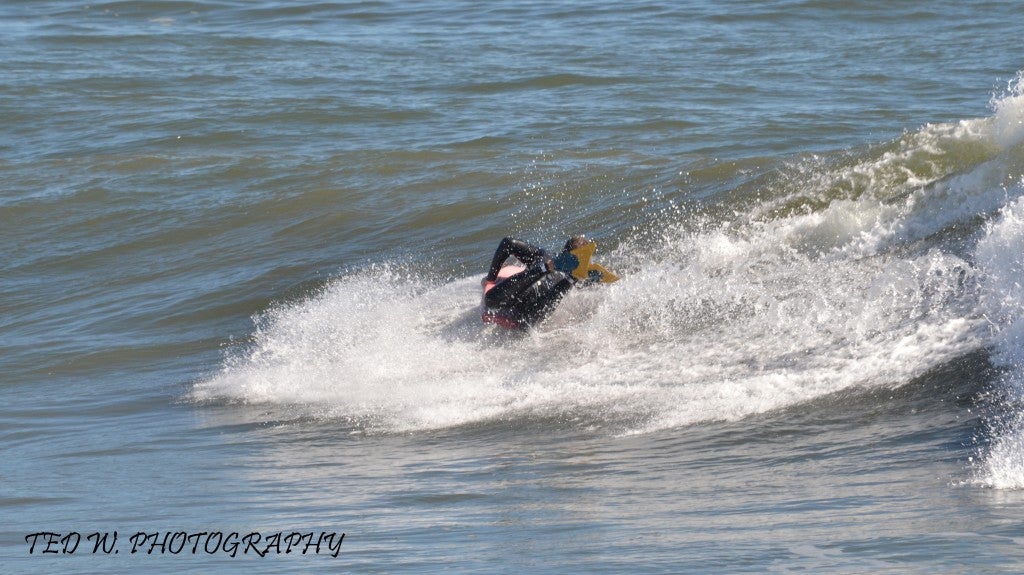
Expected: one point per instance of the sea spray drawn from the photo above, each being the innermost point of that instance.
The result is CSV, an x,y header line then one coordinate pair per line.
x,y
717,322
999,254
1008,119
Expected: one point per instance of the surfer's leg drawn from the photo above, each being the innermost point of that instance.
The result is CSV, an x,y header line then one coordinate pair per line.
x,y
510,246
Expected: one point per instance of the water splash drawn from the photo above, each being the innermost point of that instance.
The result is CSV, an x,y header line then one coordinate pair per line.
x,y
844,277
1001,255
1008,120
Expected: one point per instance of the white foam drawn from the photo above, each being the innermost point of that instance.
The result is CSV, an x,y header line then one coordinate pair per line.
x,y
372,349
1000,258
1001,255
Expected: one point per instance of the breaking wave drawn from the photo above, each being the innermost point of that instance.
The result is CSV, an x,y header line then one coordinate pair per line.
x,y
859,269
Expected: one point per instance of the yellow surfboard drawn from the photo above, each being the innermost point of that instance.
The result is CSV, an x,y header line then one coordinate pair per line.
x,y
577,262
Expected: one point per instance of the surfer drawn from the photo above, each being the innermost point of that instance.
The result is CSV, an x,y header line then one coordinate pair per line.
x,y
528,295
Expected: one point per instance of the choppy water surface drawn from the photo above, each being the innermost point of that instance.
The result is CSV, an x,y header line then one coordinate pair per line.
x,y
243,250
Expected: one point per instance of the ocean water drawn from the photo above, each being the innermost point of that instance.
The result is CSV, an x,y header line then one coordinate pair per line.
x,y
240,285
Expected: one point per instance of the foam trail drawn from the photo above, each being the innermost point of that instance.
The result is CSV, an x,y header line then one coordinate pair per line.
x,y
366,350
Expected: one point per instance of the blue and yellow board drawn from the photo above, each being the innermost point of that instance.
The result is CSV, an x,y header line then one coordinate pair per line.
x,y
577,262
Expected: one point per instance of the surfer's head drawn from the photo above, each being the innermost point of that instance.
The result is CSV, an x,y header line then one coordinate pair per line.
x,y
575,242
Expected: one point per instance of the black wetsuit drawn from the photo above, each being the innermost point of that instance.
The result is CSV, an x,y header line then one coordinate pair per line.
x,y
530,295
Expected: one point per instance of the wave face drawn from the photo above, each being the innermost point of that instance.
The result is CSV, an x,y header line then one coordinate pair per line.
x,y
857,270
